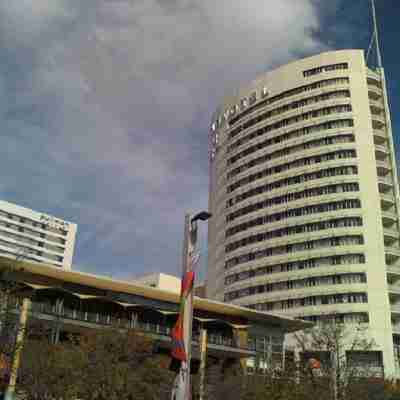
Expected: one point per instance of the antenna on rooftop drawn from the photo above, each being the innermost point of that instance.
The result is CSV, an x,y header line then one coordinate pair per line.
x,y
375,38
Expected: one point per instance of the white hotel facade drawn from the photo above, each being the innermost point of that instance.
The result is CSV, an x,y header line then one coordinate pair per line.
x,y
35,236
305,200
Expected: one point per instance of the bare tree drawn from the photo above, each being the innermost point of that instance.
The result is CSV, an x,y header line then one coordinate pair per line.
x,y
338,350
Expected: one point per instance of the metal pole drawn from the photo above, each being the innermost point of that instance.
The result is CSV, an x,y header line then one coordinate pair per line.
x,y
378,50
23,317
189,246
203,359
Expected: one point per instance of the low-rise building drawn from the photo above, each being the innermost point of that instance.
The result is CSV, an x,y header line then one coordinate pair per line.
x,y
161,281
72,302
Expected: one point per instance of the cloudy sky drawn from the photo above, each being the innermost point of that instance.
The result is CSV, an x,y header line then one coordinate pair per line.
x,y
105,106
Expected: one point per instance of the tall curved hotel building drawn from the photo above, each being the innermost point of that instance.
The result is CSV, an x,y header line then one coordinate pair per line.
x,y
304,194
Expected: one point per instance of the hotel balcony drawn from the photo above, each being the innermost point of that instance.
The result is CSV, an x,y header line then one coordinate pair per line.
x,y
380,136
392,255
385,184
393,273
155,324
383,167
376,106
374,92
381,152
395,310
394,289
389,219
396,328
390,236
387,202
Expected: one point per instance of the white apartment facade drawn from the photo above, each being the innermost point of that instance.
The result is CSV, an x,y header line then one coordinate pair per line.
x,y
305,200
35,236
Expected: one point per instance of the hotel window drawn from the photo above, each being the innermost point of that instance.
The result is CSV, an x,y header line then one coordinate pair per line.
x,y
347,240
287,151
289,93
301,162
342,108
325,68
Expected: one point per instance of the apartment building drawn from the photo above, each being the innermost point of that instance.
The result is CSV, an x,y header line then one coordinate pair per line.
x,y
305,200
35,236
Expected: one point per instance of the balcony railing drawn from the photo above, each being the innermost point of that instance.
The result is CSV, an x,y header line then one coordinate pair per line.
x,y
373,75
374,91
393,269
395,308
396,329
388,199
391,232
380,136
389,217
162,331
383,165
381,149
385,181
376,103
394,289
393,251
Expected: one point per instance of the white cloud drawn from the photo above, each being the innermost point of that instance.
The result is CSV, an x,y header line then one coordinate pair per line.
x,y
122,92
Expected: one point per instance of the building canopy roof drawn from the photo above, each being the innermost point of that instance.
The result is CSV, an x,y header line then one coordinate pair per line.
x,y
41,277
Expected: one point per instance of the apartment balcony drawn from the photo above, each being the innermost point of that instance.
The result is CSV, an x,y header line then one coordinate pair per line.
x,y
387,202
155,327
392,254
396,329
385,184
378,123
383,167
393,272
391,235
374,92
394,289
389,219
381,152
380,136
325,310
395,310
378,116
373,76
376,106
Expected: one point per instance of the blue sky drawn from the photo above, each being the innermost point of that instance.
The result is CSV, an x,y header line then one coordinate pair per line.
x,y
105,106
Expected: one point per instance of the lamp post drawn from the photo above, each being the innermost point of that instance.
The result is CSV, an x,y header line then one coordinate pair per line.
x,y
189,248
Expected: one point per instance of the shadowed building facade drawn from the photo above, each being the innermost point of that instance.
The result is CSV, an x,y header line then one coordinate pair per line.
x,y
304,196
70,302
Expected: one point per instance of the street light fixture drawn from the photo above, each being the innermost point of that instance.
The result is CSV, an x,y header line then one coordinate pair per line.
x,y
201,216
